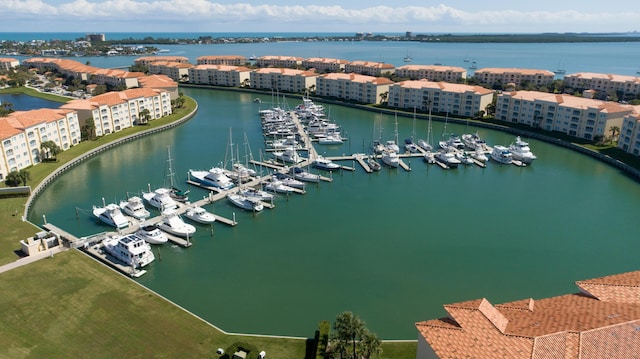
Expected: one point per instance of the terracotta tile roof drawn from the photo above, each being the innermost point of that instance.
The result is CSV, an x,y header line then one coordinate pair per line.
x,y
608,77
216,57
570,101
372,64
500,71
157,82
444,86
163,58
357,78
567,326
437,68
7,130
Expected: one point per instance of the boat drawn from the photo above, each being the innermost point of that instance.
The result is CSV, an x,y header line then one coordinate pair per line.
x,y
426,144
390,158
257,100
160,199
410,146
448,158
332,139
111,215
501,154
392,145
373,164
473,141
288,180
408,58
275,185
130,250
325,164
521,151
255,194
200,215
429,157
289,155
152,235
172,223
245,202
463,157
215,177
302,175
453,142
135,208
479,155
176,193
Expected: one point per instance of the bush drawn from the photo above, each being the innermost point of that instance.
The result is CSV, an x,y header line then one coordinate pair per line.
x,y
250,349
323,340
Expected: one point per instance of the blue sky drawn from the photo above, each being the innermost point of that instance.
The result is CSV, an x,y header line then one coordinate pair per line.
x,y
459,16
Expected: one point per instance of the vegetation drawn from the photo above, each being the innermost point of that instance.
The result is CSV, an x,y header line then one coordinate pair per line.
x,y
50,150
351,339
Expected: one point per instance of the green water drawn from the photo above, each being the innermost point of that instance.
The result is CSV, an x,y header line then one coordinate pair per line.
x,y
392,246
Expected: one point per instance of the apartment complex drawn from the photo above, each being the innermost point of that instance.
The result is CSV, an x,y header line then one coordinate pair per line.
x,y
503,76
279,61
231,60
352,87
606,83
574,116
220,75
601,321
283,79
96,75
370,68
148,60
23,132
432,73
115,111
629,139
7,63
177,71
457,99
323,64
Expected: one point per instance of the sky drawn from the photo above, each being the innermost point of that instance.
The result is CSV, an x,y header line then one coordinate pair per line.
x,y
420,17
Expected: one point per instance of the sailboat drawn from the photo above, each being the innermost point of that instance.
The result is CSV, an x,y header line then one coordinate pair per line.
x,y
426,144
407,57
560,70
392,145
175,193
409,145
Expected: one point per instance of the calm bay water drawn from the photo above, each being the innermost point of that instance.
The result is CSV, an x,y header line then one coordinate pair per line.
x,y
392,247
23,103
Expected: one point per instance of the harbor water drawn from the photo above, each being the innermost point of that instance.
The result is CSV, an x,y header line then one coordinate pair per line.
x,y
392,246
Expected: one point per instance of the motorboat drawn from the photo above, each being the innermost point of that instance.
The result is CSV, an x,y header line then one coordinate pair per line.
x,y
245,202
501,154
463,157
215,177
333,139
378,147
289,155
373,164
390,158
472,141
479,155
425,145
278,186
172,223
391,145
243,170
448,158
429,157
111,215
302,175
453,142
282,143
521,151
130,249
160,199
255,194
410,146
200,215
135,208
325,164
152,235
288,180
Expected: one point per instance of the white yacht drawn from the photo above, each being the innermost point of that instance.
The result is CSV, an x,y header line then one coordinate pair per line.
x,y
288,180
453,142
373,164
135,208
152,234
245,202
480,155
473,141
448,158
410,146
464,157
302,175
130,249
325,164
425,145
390,158
172,223
521,151
255,194
215,177
289,155
429,157
111,215
275,185
333,139
200,215
391,145
160,199
501,154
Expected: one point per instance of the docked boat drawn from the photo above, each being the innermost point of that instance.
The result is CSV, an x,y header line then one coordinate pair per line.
x,y
288,180
200,215
135,208
464,158
425,145
390,158
373,164
325,164
215,177
472,141
479,155
152,235
452,142
289,155
180,195
330,140
111,215
255,194
391,145
278,186
448,158
429,157
172,223
160,199
410,146
501,154
130,249
302,175
245,202
521,151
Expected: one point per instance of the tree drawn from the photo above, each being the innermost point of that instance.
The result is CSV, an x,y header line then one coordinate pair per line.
x,y
13,179
88,129
615,130
144,116
6,108
370,344
384,97
24,176
50,149
348,329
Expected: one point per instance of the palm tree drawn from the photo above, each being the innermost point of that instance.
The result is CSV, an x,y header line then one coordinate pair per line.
x,y
50,149
384,97
144,116
349,328
24,176
615,130
370,344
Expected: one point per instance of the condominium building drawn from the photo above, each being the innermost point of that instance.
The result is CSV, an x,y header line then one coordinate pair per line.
x,y
432,72
457,99
7,63
115,111
370,68
519,77
160,83
147,60
231,60
605,83
629,139
574,116
177,71
279,61
353,87
96,75
324,64
601,321
283,79
23,132
220,75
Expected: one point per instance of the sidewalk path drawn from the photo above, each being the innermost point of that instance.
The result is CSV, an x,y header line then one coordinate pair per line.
x,y
30,259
